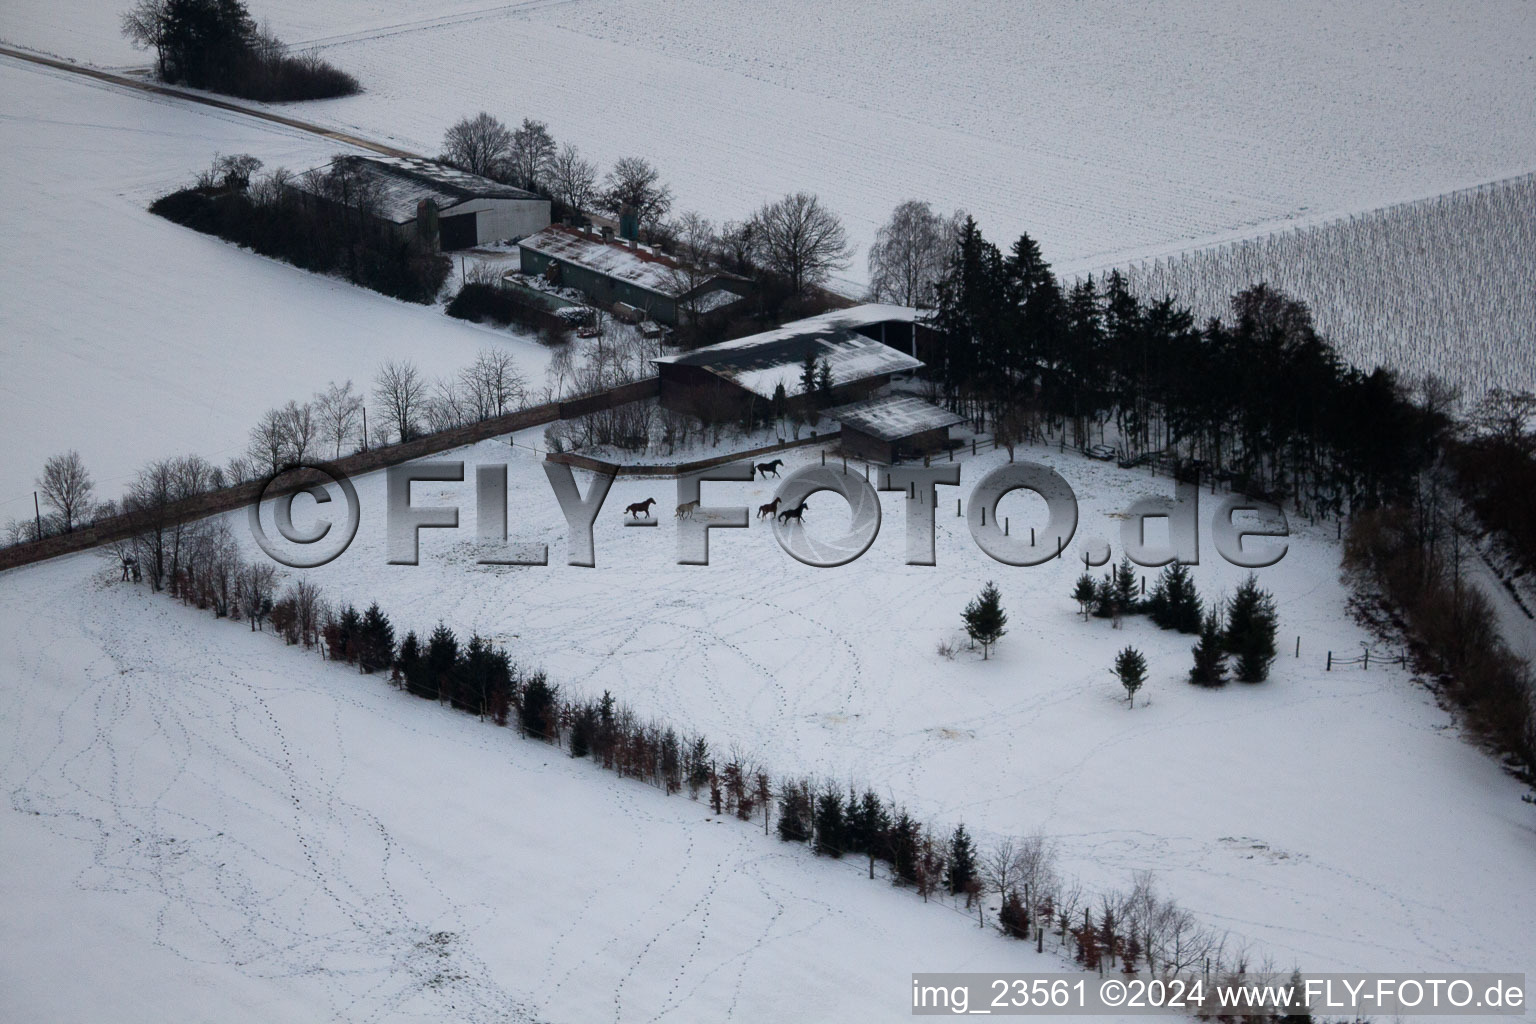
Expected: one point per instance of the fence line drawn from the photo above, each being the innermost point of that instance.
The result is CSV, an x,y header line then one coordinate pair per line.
x,y
1365,658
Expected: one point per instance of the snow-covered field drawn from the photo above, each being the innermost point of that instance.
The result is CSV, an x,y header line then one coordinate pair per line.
x,y
1108,132
203,825
130,338
1337,819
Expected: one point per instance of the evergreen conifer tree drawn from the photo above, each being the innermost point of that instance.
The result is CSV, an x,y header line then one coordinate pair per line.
x,y
1012,918
1085,593
831,827
1251,626
1210,653
1131,667
961,871
1125,586
985,619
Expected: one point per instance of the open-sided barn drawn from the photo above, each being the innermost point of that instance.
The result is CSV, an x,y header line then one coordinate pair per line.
x,y
731,378
444,207
609,270
884,428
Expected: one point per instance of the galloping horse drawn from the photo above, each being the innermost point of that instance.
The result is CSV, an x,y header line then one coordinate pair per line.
x,y
769,467
640,508
797,514
769,509
686,510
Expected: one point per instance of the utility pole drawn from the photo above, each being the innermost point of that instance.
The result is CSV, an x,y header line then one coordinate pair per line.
x,y
37,515
365,428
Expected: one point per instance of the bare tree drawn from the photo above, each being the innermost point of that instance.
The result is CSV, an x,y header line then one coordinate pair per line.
x,y
145,26
445,406
269,440
698,247
1506,416
401,391
254,589
634,186
801,240
532,150
338,409
737,246
573,179
492,384
910,253
480,145
1001,869
66,487
300,430
306,609
1037,870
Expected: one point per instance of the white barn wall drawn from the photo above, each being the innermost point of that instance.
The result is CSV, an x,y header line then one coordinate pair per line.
x,y
497,219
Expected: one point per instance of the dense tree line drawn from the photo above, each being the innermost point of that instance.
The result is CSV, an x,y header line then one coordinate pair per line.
x,y
326,227
216,45
1260,397
1414,557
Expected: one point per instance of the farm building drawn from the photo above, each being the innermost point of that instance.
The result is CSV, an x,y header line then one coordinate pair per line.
x,y
885,428
733,377
614,272
444,207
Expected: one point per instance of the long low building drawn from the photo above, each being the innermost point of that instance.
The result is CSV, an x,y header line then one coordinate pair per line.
x,y
442,206
734,377
609,271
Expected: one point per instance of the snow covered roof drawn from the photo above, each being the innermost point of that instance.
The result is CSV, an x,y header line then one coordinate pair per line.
x,y
401,183
642,267
762,361
893,417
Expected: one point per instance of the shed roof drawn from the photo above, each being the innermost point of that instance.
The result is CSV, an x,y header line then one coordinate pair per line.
x,y
401,183
642,266
893,417
762,361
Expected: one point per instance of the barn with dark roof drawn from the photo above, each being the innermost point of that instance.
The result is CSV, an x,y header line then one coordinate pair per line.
x,y
442,206
735,377
889,427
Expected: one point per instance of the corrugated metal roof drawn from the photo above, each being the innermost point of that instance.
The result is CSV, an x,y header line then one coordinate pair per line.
x,y
401,183
893,417
642,268
760,362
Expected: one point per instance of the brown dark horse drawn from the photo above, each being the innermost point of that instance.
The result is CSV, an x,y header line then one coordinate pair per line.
x,y
640,508
770,509
797,514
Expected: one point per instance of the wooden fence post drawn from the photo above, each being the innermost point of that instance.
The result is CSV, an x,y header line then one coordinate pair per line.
x,y
1329,667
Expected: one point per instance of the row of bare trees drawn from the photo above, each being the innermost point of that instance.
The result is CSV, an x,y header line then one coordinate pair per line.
x,y
329,425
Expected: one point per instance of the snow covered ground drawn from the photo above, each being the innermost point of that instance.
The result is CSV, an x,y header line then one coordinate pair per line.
x,y
130,338
200,824
1337,819
1109,133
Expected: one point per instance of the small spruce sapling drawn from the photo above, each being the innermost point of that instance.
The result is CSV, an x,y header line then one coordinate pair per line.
x,y
985,619
1131,667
